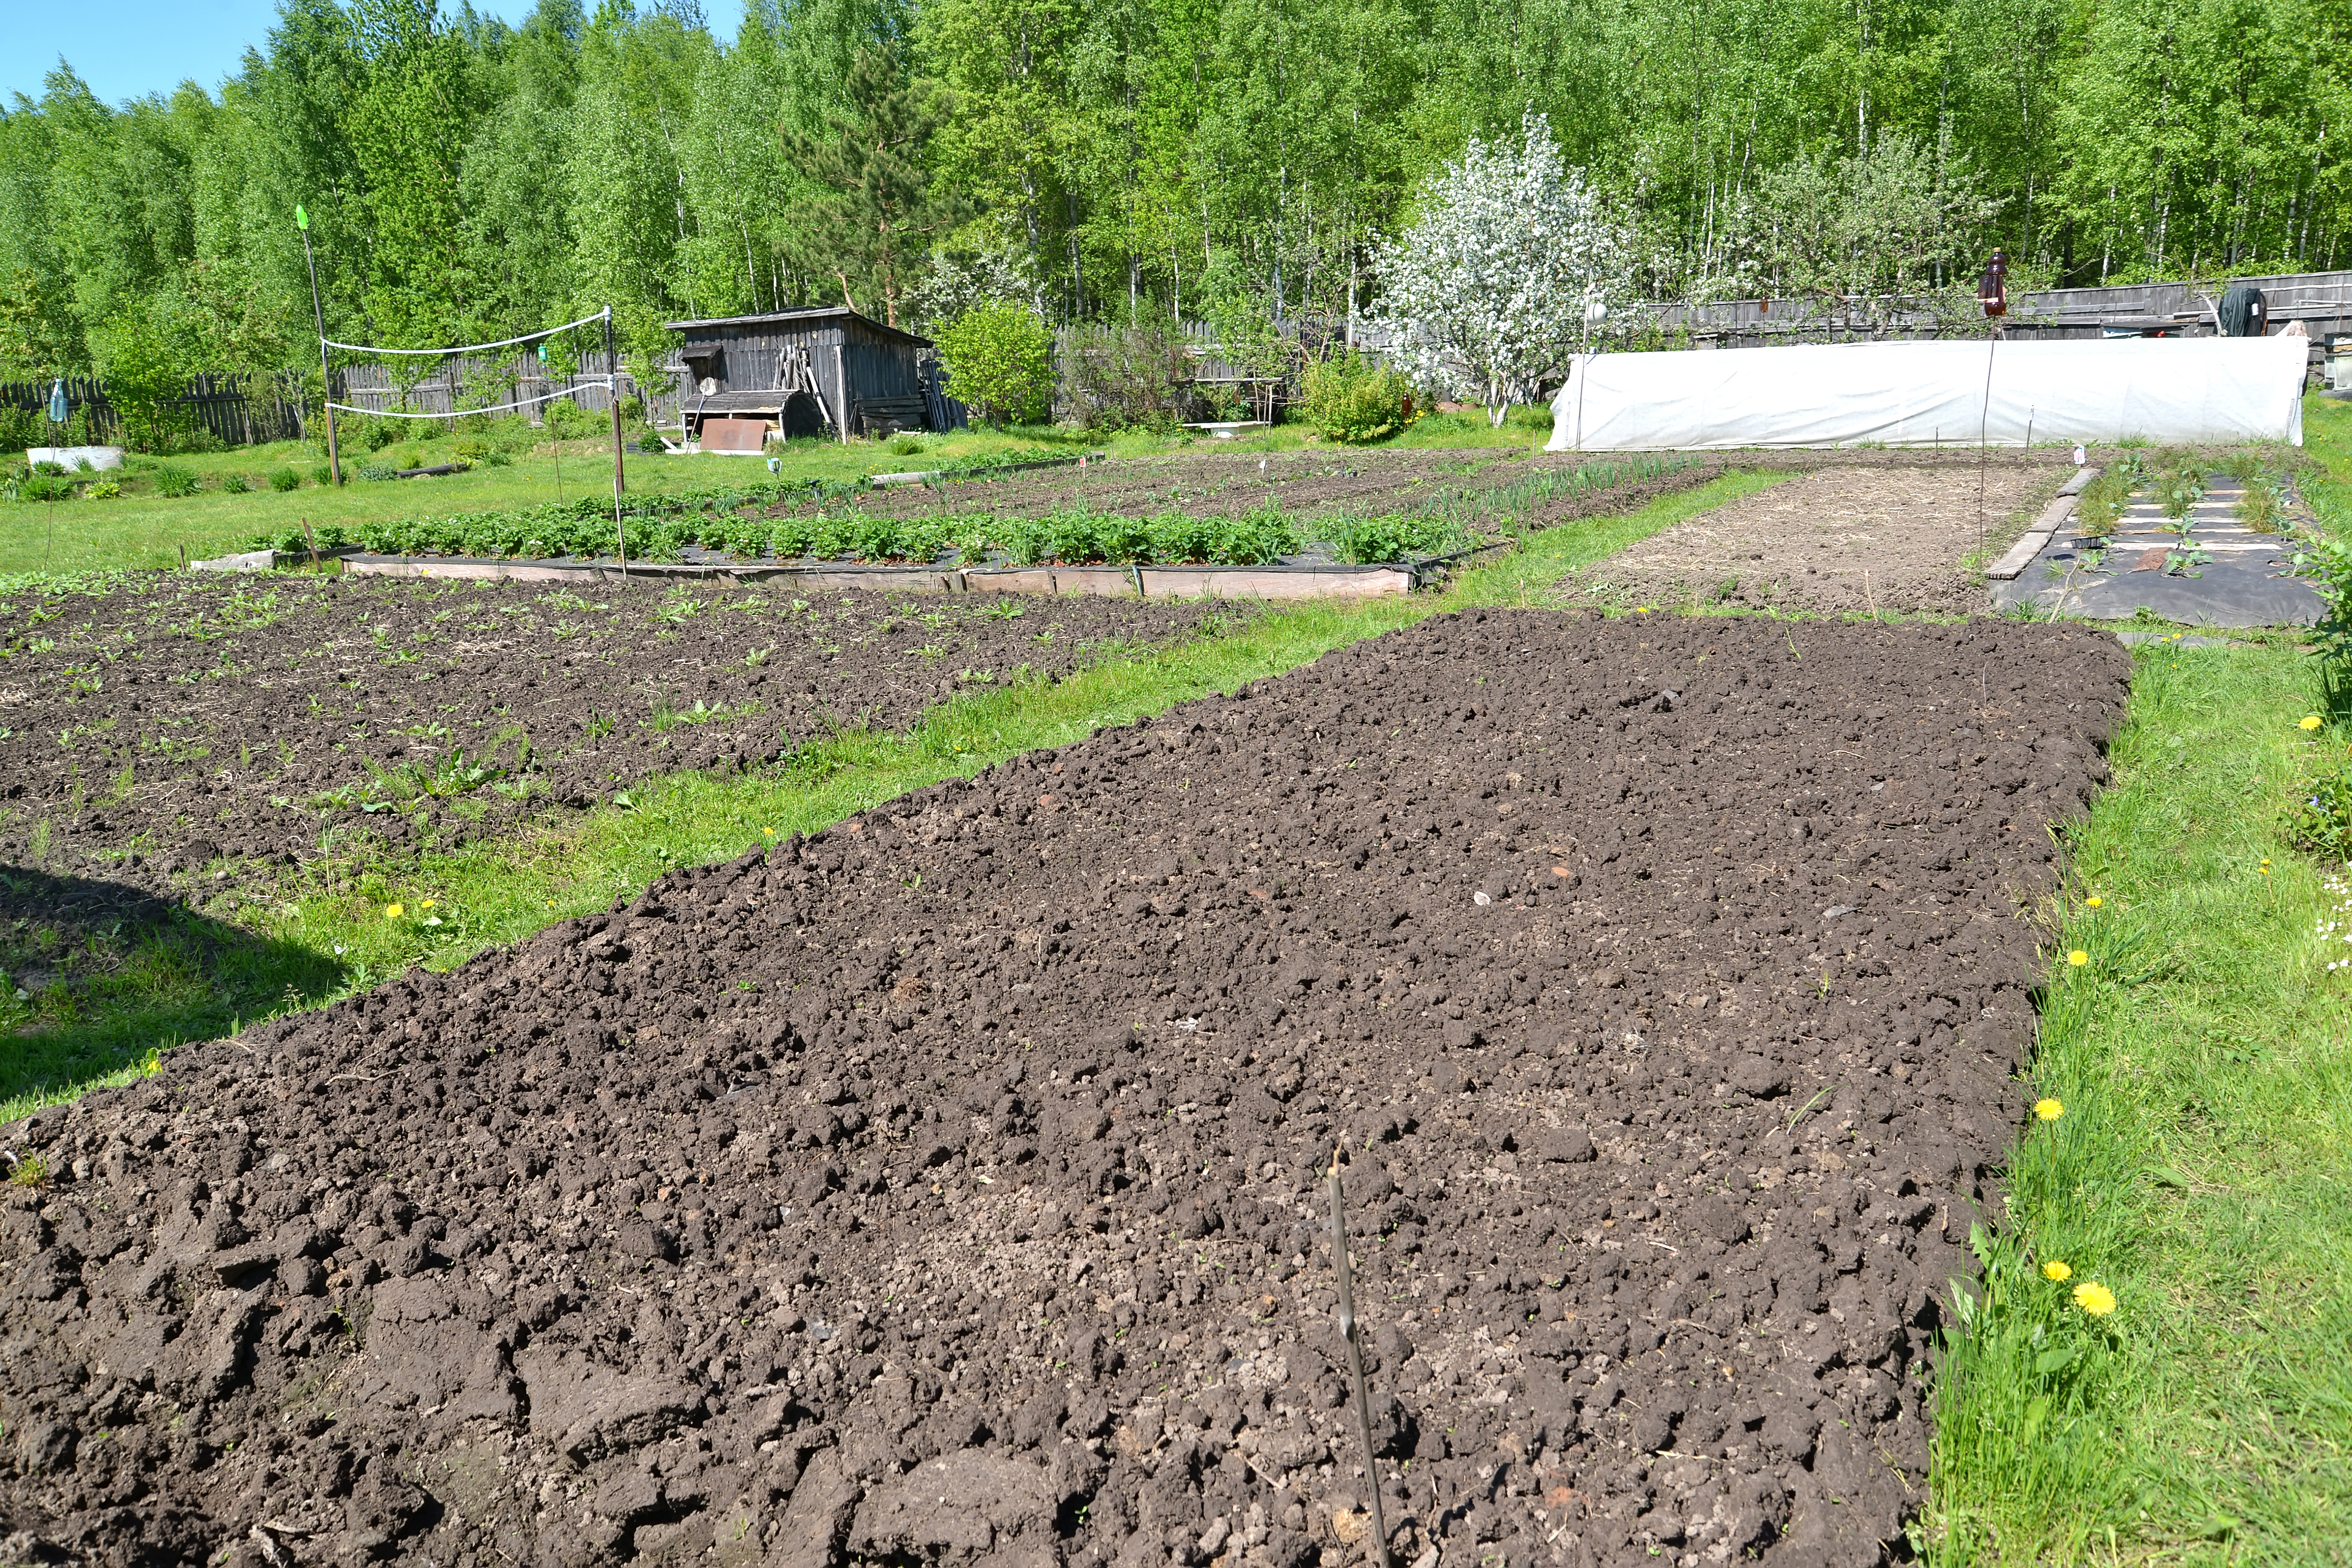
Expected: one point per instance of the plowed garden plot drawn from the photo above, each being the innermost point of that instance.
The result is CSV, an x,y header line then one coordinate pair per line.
x,y
945,1186
1315,485
1307,486
1844,540
167,721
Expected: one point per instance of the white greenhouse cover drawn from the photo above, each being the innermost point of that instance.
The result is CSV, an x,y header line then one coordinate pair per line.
x,y
1923,394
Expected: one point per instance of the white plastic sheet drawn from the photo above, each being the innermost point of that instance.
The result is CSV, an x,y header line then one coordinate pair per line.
x,y
1929,393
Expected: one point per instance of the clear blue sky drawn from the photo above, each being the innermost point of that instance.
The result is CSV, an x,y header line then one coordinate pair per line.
x,y
125,49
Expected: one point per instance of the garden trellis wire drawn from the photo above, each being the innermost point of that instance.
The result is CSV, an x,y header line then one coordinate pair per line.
x,y
611,382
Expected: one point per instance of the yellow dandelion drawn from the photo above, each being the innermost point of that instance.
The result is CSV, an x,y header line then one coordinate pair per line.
x,y
391,912
2095,1298
2094,901
769,831
2309,721
2265,866
2048,1110
2054,1270
2078,958
425,905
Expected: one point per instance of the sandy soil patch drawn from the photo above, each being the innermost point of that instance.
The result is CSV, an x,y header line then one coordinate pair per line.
x,y
1847,539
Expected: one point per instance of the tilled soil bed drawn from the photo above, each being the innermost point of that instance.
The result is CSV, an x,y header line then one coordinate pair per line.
x,y
1320,483
169,722
945,1187
1840,540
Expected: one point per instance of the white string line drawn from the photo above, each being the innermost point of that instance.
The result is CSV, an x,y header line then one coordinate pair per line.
x,y
467,348
460,413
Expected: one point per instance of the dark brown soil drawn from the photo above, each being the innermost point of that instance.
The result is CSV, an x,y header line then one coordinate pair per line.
x,y
945,1187
1322,482
171,721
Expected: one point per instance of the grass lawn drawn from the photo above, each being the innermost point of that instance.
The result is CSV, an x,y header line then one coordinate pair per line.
x,y
2199,1168
143,527
213,969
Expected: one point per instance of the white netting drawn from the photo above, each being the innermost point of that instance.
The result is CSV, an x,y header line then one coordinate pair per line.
x,y
474,378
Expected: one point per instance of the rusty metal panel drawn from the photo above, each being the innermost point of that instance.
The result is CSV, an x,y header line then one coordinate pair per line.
x,y
726,435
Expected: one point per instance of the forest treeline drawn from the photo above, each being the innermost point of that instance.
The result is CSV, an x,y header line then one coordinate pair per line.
x,y
1119,159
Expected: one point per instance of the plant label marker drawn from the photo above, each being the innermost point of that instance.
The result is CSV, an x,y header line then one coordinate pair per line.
x,y
1356,1358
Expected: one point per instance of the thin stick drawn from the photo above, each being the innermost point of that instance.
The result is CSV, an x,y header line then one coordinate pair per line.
x,y
1984,416
612,395
1356,1356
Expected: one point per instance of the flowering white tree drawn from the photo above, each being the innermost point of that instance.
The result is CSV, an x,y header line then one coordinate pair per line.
x,y
1488,294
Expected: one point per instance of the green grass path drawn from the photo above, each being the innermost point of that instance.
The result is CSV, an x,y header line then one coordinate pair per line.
x,y
2199,1170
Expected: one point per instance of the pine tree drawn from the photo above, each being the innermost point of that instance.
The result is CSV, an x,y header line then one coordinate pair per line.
x,y
873,225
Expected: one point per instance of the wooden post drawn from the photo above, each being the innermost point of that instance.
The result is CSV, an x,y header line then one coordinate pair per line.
x,y
613,392
841,387
325,376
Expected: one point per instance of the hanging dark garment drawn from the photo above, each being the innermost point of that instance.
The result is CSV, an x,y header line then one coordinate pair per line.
x,y
2243,312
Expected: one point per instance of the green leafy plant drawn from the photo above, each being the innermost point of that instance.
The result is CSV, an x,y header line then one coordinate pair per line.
x,y
2321,820
1350,398
378,471
284,479
1000,360
105,490
237,485
171,479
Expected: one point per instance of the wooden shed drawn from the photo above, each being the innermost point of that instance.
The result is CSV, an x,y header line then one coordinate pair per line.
x,y
818,371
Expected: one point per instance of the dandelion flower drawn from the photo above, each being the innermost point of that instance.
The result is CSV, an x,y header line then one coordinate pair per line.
x,y
425,905
2054,1270
391,912
2094,901
2048,1110
2095,1298
2309,721
2078,958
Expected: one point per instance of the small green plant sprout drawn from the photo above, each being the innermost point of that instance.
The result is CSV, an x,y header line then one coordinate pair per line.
x,y
27,1170
758,657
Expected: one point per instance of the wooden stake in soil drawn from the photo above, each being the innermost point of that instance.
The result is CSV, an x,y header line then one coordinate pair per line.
x,y
312,540
612,395
1356,1358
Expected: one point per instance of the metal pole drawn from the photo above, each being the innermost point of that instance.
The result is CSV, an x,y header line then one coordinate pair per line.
x,y
1356,1358
1984,416
326,377
612,391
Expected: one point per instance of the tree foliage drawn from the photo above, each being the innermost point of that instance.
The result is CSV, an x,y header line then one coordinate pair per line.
x,y
877,213
1510,261
1000,360
1125,161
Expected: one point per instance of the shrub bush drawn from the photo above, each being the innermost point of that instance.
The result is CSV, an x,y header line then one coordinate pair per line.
x,y
999,361
373,471
105,490
285,480
171,479
1129,378
1350,398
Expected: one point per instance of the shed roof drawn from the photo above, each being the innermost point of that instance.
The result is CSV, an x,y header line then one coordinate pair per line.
x,y
806,313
